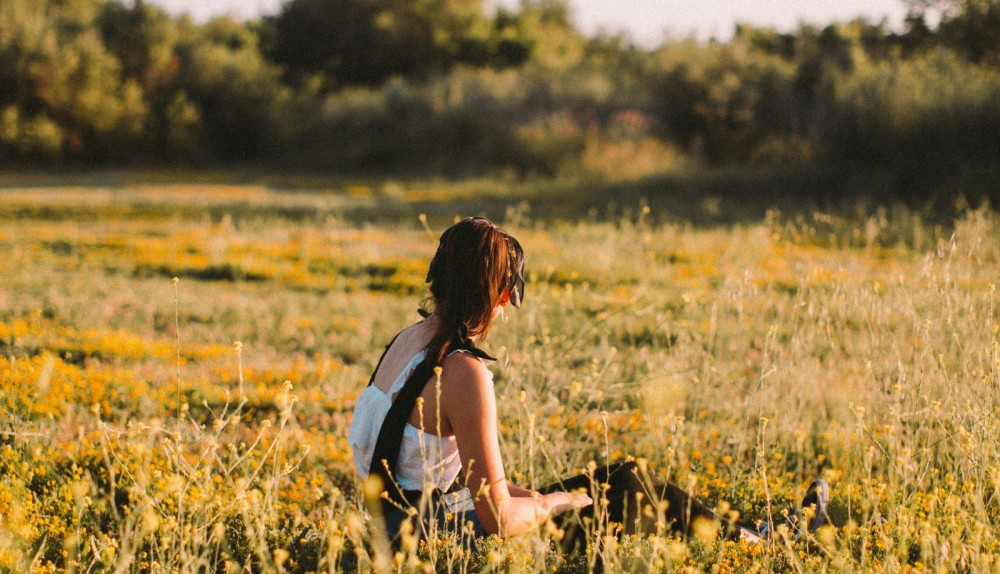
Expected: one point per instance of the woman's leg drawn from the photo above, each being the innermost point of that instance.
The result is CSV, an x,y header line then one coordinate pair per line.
x,y
633,503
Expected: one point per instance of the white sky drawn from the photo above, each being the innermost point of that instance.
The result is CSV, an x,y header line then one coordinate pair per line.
x,y
647,21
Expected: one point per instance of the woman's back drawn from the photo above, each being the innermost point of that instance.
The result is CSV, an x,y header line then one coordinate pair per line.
x,y
429,451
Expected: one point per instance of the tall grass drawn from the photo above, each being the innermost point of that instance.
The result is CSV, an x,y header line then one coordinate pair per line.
x,y
738,362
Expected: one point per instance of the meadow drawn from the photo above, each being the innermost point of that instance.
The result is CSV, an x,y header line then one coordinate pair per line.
x,y
179,366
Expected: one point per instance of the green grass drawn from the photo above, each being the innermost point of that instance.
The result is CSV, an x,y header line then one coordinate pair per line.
x,y
738,349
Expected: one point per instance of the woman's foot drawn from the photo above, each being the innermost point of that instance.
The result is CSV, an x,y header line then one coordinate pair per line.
x,y
814,506
810,516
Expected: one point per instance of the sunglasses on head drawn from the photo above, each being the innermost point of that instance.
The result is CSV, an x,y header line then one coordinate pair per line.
x,y
515,273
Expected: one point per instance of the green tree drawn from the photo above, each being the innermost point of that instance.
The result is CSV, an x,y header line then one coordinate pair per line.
x,y
974,31
971,27
63,93
547,26
145,39
227,97
726,103
365,41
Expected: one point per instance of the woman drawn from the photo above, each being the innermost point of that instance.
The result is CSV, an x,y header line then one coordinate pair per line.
x,y
428,416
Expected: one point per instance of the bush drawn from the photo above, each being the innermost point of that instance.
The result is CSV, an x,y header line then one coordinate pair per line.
x,y
924,120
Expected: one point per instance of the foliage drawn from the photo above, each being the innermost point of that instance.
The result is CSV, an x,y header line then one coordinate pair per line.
x,y
62,92
355,42
728,103
967,26
441,87
920,118
239,97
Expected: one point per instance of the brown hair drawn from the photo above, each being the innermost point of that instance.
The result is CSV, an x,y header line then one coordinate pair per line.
x,y
474,263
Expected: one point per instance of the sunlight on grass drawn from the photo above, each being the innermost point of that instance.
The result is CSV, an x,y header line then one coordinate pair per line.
x,y
738,362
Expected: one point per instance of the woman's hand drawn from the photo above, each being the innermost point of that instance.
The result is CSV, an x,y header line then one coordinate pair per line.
x,y
561,501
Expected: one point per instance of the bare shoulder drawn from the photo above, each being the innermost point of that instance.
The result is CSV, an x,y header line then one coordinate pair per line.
x,y
459,367
467,399
466,372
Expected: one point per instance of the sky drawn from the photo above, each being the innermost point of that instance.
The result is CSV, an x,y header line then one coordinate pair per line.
x,y
646,21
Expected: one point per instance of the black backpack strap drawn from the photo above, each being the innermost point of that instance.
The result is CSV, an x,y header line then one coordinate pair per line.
x,y
385,457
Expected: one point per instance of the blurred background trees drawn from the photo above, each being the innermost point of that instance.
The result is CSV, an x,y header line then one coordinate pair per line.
x,y
442,87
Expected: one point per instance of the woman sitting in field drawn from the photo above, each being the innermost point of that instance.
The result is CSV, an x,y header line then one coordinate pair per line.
x,y
420,438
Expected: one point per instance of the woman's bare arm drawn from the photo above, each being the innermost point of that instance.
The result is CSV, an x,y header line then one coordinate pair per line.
x,y
469,405
518,491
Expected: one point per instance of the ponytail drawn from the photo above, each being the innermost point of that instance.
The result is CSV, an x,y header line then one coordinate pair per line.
x,y
474,264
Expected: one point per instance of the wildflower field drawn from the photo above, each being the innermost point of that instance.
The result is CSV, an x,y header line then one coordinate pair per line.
x,y
180,362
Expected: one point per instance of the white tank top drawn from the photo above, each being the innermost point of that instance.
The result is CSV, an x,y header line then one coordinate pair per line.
x,y
423,457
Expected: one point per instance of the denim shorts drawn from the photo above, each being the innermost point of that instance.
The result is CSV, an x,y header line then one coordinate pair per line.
x,y
449,514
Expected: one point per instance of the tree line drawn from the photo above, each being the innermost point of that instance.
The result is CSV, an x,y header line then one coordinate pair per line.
x,y
442,87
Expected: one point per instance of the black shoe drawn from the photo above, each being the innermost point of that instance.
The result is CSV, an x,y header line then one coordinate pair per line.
x,y
818,499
